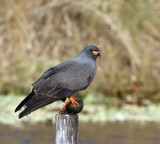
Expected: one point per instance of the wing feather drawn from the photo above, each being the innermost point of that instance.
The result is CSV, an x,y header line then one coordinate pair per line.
x,y
73,76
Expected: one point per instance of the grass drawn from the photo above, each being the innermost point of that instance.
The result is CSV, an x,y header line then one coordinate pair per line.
x,y
35,35
93,111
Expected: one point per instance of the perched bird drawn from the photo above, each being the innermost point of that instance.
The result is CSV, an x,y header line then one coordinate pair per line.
x,y
62,81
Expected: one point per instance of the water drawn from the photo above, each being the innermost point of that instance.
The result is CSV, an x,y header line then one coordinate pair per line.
x,y
108,133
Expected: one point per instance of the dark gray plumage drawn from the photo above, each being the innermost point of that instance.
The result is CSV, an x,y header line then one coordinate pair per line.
x,y
62,81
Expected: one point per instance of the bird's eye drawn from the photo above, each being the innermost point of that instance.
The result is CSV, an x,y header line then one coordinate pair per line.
x,y
91,50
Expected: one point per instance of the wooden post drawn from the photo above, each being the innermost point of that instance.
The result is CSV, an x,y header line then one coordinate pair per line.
x,y
66,130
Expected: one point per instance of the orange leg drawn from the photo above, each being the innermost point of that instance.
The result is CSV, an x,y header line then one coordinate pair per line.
x,y
73,101
64,107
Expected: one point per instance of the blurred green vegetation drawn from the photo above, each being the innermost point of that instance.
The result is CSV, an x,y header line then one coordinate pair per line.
x,y
93,111
36,35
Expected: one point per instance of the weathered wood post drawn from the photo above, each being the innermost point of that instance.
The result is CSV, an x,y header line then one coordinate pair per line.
x,y
66,129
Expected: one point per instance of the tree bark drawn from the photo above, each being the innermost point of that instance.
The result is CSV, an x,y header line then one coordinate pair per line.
x,y
66,130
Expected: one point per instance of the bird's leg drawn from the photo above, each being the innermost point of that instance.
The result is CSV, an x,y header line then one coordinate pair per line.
x,y
64,106
73,101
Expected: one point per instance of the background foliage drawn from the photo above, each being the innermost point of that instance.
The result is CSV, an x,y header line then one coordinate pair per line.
x,y
35,35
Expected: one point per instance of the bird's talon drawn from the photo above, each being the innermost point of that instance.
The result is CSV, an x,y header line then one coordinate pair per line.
x,y
73,101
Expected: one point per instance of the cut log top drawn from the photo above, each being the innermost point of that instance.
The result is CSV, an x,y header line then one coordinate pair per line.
x,y
66,129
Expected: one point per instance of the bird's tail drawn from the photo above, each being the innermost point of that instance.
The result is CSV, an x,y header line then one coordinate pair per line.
x,y
33,102
25,101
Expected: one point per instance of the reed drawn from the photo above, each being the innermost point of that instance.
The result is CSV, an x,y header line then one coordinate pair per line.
x,y
35,35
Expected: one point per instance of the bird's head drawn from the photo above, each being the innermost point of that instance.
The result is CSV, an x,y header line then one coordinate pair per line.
x,y
92,51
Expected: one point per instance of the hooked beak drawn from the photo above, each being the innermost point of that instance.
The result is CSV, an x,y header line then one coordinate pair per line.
x,y
99,55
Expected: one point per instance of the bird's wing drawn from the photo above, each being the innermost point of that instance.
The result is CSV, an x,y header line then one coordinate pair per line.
x,y
57,83
72,76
